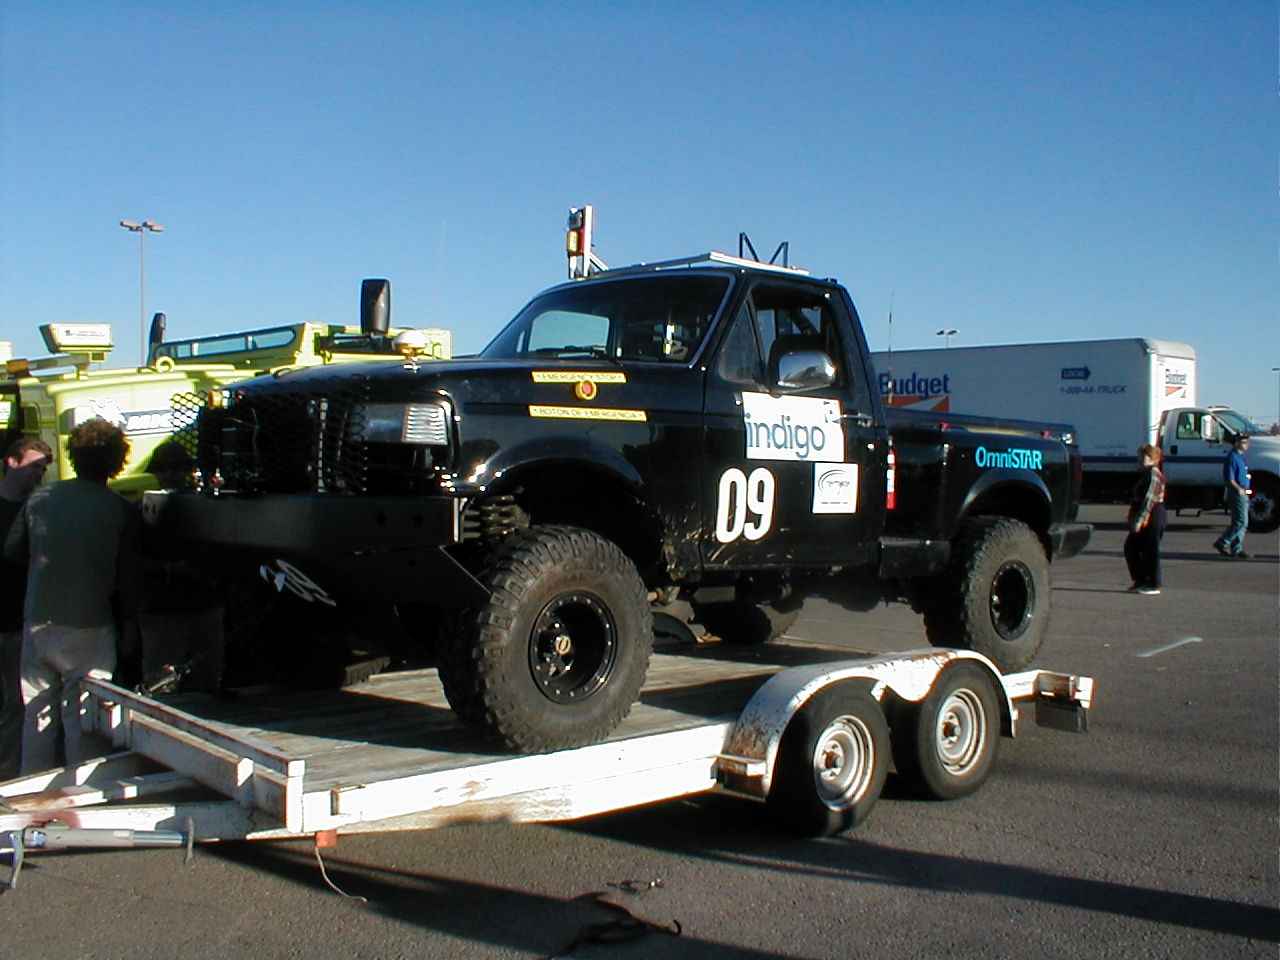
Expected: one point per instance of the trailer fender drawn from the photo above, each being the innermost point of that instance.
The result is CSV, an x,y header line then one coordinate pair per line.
x,y
746,765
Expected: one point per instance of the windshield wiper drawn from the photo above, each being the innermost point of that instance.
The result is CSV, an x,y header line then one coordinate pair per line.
x,y
569,350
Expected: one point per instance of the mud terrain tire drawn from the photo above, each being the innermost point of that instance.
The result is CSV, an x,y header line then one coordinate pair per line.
x,y
557,655
994,598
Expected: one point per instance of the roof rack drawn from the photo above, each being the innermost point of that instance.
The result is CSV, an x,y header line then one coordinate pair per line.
x,y
584,263
712,257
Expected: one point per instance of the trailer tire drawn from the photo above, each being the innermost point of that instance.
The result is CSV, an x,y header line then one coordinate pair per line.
x,y
1264,505
995,596
832,762
744,623
945,746
558,654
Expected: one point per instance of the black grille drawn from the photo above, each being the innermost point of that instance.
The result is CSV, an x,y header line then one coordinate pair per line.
x,y
251,442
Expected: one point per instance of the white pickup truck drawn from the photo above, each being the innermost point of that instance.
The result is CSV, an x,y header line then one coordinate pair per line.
x,y
1195,442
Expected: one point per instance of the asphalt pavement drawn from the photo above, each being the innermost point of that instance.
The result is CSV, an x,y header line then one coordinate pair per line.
x,y
1155,835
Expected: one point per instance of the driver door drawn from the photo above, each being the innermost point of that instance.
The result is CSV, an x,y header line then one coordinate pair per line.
x,y
787,480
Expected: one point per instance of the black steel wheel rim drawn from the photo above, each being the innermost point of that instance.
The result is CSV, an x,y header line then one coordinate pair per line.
x,y
1013,599
573,647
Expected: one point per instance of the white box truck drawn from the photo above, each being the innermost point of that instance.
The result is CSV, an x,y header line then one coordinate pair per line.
x,y
1118,394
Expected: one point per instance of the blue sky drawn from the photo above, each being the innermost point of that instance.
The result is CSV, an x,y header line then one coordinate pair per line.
x,y
1014,171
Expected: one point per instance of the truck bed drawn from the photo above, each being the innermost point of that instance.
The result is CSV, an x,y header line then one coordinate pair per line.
x,y
899,420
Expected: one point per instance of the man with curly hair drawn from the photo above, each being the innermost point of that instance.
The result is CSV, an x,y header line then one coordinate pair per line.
x,y
80,543
24,465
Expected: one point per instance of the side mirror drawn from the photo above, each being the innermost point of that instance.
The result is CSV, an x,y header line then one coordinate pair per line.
x,y
156,335
375,306
802,370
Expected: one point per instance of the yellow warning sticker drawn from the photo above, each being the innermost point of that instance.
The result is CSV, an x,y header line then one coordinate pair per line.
x,y
587,413
574,376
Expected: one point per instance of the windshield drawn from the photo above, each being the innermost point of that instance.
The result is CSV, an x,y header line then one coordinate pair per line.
x,y
1238,424
662,319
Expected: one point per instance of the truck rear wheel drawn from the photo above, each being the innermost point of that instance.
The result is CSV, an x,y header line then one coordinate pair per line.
x,y
832,762
995,596
745,623
557,655
945,746
1264,505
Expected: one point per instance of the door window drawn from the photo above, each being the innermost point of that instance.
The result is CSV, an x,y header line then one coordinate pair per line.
x,y
740,360
789,319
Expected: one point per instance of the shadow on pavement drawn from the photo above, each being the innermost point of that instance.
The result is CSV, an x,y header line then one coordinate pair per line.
x,y
512,919
731,833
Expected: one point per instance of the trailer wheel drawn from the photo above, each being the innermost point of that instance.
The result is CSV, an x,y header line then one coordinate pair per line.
x,y
995,597
945,747
744,623
557,655
1264,505
832,762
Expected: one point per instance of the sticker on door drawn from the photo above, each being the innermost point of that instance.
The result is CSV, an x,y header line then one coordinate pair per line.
x,y
835,488
792,428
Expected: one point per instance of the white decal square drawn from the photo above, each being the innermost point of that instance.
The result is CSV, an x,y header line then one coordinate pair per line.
x,y
835,488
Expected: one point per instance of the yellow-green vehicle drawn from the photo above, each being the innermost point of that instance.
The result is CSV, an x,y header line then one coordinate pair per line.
x,y
48,397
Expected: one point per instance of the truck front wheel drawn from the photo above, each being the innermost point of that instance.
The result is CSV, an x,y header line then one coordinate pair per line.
x,y
1264,505
557,655
994,598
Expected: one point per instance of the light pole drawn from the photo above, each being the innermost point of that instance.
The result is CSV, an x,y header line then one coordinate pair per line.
x,y
947,334
1276,371
141,230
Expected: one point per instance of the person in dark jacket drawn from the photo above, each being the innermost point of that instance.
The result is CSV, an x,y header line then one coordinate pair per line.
x,y
1146,524
24,465
79,541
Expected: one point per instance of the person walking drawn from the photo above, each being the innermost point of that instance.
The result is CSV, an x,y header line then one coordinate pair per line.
x,y
79,541
1146,524
24,465
1235,475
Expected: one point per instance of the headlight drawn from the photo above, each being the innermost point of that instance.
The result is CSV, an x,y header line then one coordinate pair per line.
x,y
424,423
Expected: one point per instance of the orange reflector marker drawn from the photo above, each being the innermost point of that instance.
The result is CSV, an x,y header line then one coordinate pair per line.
x,y
890,495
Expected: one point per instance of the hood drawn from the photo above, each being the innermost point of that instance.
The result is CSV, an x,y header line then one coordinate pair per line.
x,y
472,379
1263,447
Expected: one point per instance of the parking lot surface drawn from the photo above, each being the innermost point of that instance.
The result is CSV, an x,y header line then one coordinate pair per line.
x,y
1154,835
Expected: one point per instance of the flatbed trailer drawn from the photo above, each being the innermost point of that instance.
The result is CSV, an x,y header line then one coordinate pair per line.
x,y
803,727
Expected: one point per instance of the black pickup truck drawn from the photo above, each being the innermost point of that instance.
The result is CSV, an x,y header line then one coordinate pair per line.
x,y
696,444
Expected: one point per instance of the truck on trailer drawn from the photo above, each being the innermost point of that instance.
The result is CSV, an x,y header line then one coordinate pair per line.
x,y
699,439
1118,394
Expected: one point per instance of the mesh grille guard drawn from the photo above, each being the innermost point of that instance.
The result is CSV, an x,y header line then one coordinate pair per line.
x,y
249,442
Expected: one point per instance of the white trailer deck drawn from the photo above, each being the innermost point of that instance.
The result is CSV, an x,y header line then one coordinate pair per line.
x,y
389,754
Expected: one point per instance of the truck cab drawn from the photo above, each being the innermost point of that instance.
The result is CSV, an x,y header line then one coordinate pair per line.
x,y
1195,442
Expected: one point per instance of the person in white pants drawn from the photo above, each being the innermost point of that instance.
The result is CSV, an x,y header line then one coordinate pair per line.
x,y
80,543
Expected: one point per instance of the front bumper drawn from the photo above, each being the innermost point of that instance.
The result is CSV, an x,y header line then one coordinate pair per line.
x,y
1068,539
350,547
